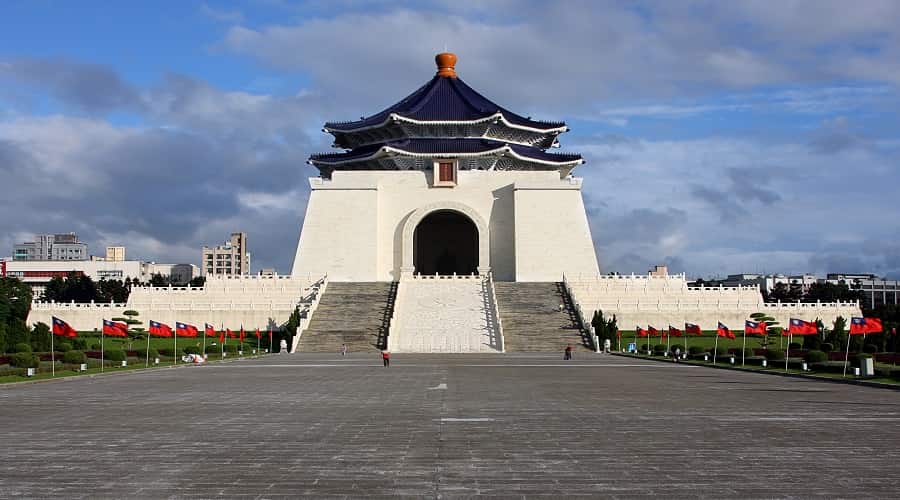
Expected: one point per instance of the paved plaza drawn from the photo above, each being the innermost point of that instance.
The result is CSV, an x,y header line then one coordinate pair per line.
x,y
445,426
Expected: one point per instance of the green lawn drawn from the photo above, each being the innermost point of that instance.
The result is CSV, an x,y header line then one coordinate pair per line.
x,y
707,340
118,343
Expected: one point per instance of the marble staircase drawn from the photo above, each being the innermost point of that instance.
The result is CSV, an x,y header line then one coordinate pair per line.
x,y
445,314
532,321
356,314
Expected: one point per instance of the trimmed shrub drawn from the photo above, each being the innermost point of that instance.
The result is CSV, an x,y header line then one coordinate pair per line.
x,y
142,353
115,355
165,351
748,352
870,348
63,347
24,360
793,346
79,344
721,351
826,347
816,357
828,367
191,349
213,349
6,372
659,349
74,357
695,349
22,347
644,347
775,354
95,347
231,348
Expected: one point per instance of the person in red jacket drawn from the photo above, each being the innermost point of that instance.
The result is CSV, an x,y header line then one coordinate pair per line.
x,y
568,352
386,357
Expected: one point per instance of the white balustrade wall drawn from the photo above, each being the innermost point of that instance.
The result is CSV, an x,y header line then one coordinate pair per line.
x,y
252,301
641,300
308,306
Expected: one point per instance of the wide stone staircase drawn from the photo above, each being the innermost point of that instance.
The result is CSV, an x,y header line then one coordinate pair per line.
x,y
356,314
532,321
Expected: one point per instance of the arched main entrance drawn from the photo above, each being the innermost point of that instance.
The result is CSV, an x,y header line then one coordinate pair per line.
x,y
446,242
409,262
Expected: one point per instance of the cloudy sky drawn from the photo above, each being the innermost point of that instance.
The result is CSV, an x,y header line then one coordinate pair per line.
x,y
720,137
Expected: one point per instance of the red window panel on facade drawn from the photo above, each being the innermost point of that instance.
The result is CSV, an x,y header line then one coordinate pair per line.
x,y
446,172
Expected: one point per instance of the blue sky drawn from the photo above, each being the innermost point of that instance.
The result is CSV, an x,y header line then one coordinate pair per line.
x,y
721,137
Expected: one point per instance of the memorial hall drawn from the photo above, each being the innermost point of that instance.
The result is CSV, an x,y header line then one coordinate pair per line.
x,y
446,223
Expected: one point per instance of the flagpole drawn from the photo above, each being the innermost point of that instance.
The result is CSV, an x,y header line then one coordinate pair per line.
x,y
101,348
846,355
175,337
204,342
685,343
716,348
224,339
787,353
744,348
147,361
53,357
257,343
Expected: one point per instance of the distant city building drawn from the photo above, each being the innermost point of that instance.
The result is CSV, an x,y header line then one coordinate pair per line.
x,y
115,254
38,273
659,271
51,247
876,290
230,259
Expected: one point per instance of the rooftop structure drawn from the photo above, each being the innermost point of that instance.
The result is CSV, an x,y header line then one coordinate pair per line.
x,y
52,247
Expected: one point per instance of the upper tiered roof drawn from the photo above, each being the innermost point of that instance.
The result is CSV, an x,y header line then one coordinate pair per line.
x,y
443,115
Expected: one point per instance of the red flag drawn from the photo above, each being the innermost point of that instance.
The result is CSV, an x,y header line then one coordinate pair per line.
x,y
186,330
873,325
800,327
258,335
619,333
640,331
242,334
754,328
231,334
692,328
723,331
270,334
675,332
114,329
859,326
221,337
653,331
63,329
209,331
160,329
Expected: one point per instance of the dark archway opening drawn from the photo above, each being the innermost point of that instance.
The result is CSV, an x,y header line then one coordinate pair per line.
x,y
446,242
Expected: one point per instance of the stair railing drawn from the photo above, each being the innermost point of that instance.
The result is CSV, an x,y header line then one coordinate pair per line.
x,y
579,311
317,289
495,311
395,319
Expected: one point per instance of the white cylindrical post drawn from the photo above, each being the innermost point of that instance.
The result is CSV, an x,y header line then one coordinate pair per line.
x,y
716,348
101,349
147,354
846,355
744,348
52,357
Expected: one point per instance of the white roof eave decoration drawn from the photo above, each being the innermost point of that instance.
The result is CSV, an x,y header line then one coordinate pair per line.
x,y
498,116
501,151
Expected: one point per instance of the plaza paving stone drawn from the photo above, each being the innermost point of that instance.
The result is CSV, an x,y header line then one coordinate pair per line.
x,y
447,426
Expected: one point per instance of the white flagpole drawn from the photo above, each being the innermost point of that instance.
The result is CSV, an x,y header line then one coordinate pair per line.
x,y
668,339
224,339
203,354
846,355
147,361
175,337
101,347
744,348
787,353
257,342
53,357
716,348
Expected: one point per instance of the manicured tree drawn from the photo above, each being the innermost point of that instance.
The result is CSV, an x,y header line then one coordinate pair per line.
x,y
113,291
837,337
814,342
134,331
773,329
40,337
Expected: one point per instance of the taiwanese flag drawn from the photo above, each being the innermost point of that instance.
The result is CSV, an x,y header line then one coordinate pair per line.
x,y
242,334
692,328
723,331
640,331
185,330
619,333
209,331
270,335
653,331
800,327
874,325
258,335
231,334
754,327
675,332
114,329
857,326
160,329
221,337
63,329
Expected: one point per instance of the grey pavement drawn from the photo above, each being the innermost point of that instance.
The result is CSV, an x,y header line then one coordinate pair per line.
x,y
447,426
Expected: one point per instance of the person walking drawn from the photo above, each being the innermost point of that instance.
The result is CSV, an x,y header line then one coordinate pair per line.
x,y
283,346
386,358
606,345
568,354
343,349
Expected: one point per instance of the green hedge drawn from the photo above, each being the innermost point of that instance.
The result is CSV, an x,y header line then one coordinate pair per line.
x,y
74,357
63,347
695,349
816,356
191,349
22,347
142,353
115,355
24,360
774,354
659,349
826,347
